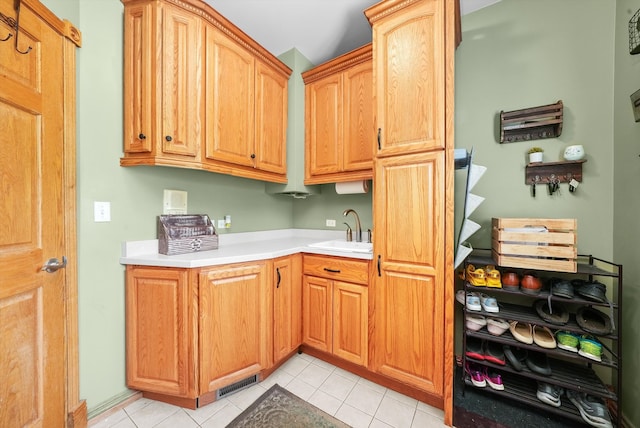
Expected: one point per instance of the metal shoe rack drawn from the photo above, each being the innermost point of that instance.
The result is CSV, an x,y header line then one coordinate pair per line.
x,y
569,370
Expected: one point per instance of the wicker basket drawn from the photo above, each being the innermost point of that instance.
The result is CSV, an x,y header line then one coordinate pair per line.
x,y
182,234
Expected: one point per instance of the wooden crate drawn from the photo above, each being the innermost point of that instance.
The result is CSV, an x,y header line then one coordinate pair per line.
x,y
554,249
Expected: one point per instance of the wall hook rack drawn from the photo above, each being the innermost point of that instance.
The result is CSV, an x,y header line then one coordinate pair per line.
x,y
531,123
14,24
554,172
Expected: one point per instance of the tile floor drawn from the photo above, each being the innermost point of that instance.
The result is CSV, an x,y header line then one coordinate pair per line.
x,y
350,398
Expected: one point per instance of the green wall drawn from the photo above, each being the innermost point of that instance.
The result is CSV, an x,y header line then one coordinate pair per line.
x,y
626,201
518,54
515,54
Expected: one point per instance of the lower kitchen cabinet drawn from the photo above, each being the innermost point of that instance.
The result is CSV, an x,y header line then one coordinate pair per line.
x,y
335,306
287,305
234,319
191,332
161,308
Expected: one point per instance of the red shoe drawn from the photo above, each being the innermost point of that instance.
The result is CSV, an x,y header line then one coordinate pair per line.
x,y
494,353
474,349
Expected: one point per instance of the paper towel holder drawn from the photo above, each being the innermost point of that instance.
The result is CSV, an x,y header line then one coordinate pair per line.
x,y
352,187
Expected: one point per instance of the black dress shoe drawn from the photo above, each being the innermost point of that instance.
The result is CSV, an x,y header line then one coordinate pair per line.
x,y
538,363
515,357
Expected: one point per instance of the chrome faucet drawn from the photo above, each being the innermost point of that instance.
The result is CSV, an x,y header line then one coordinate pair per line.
x,y
358,228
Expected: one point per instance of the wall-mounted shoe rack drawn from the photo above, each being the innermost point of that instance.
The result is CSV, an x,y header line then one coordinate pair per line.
x,y
569,370
471,202
531,123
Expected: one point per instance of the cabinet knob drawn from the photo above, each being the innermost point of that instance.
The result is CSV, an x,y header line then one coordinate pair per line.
x,y
168,138
142,136
253,155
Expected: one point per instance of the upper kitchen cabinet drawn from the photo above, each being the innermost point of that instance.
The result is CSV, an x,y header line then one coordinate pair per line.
x,y
410,76
246,104
191,106
163,89
340,133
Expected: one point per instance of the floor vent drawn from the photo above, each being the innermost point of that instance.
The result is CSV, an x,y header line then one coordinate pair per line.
x,y
235,387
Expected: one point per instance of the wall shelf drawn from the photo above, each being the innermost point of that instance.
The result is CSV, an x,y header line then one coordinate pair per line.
x,y
531,123
553,172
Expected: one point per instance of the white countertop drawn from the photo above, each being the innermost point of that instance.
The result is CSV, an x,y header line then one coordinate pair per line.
x,y
238,247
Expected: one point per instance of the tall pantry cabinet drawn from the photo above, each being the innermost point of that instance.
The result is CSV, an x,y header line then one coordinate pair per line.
x,y
413,48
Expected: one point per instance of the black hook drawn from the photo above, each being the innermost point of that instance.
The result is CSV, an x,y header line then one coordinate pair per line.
x,y
10,22
15,24
17,7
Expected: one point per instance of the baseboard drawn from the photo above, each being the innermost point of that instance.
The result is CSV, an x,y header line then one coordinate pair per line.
x,y
109,407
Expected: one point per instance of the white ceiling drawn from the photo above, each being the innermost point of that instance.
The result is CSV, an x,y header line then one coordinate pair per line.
x,y
319,29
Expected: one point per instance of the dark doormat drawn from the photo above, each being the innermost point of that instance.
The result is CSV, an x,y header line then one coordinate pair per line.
x,y
482,409
279,408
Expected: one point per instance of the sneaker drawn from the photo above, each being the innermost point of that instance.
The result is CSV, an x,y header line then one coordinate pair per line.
x,y
493,379
567,340
593,410
590,347
561,288
476,375
549,394
592,290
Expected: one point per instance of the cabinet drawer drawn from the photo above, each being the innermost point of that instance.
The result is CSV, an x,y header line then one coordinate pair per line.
x,y
349,270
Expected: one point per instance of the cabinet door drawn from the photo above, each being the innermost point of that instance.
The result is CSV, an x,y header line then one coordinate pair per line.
x,y
271,120
161,324
350,322
140,77
316,312
234,324
182,109
408,291
359,135
287,305
323,111
410,78
229,100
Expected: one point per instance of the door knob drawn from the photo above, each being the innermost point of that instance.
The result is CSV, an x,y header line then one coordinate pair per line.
x,y
53,264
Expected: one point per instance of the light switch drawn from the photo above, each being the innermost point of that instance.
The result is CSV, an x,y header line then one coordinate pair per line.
x,y
101,211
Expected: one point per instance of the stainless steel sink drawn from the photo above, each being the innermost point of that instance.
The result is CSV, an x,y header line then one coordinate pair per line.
x,y
346,246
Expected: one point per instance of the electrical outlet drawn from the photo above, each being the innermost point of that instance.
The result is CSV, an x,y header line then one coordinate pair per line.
x,y
221,224
330,223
